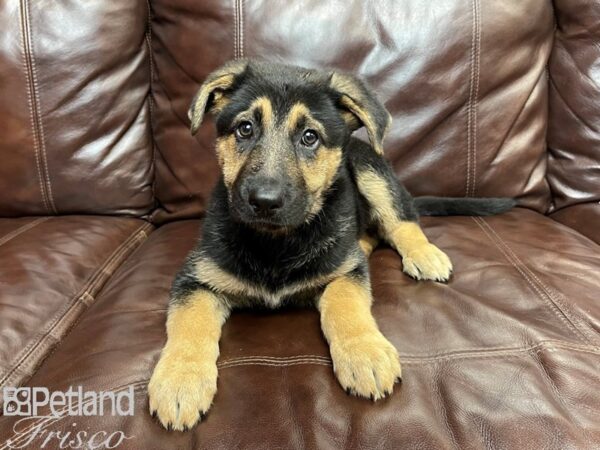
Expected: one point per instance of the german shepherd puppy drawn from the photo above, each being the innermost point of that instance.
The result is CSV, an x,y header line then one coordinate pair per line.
x,y
292,220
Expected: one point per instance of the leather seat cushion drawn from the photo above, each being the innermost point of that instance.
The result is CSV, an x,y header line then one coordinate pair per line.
x,y
51,269
507,352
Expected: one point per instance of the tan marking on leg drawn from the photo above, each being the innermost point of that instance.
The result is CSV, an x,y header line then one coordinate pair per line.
x,y
421,259
184,381
364,361
367,243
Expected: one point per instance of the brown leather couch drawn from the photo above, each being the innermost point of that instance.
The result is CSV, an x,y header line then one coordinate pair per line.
x,y
102,190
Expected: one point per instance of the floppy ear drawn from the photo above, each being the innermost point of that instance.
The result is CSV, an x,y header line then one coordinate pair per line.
x,y
361,107
211,93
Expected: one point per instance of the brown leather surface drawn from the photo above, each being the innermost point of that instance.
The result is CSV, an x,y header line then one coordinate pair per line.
x,y
50,271
74,109
573,133
465,82
503,356
488,98
583,217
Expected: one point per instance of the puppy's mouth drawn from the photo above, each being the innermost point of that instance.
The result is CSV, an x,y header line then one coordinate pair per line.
x,y
269,223
268,227
276,224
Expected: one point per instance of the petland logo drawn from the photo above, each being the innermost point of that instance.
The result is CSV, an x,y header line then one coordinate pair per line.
x,y
32,405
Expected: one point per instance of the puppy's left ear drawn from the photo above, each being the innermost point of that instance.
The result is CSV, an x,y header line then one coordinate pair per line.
x,y
361,107
212,91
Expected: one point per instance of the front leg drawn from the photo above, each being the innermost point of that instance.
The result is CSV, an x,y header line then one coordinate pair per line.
x,y
420,259
391,208
184,381
364,361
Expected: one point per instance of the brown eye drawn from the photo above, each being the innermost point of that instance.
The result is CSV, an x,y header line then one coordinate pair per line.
x,y
309,138
244,130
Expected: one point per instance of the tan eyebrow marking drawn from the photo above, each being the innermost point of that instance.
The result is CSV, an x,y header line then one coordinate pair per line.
x,y
300,111
262,104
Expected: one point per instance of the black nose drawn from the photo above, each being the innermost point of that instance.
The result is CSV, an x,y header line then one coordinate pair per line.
x,y
266,198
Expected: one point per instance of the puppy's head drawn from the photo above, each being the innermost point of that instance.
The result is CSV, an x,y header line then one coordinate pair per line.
x,y
281,133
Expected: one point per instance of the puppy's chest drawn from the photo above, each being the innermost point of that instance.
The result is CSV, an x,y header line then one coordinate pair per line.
x,y
253,281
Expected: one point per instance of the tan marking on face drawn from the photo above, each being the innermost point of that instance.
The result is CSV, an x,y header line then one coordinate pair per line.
x,y
224,282
300,111
266,108
365,362
184,380
319,173
296,113
230,160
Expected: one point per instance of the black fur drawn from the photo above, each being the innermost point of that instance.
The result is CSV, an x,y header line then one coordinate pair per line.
x,y
449,206
273,260
296,247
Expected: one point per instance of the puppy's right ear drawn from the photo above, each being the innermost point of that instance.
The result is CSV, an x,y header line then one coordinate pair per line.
x,y
212,91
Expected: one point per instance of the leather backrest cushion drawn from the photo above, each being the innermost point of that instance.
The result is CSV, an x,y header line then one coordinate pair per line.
x,y
574,110
74,108
465,81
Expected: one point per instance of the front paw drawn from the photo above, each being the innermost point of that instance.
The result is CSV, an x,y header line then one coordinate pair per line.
x,y
181,392
427,262
367,365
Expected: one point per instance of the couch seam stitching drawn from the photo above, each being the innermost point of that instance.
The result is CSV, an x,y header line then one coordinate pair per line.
x,y
78,300
277,364
414,358
151,101
554,299
473,99
141,385
88,286
235,30
476,98
469,100
276,358
517,263
22,229
26,68
267,359
37,116
34,347
515,352
241,26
